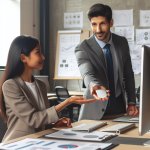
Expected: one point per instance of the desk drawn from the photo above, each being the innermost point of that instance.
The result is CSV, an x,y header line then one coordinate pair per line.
x,y
132,134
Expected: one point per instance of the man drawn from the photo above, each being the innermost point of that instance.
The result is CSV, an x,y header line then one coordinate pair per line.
x,y
104,62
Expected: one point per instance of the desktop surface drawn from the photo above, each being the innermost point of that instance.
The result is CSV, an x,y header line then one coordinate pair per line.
x,y
129,140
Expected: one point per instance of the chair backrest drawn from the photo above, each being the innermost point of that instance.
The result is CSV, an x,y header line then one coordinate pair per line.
x,y
3,128
61,93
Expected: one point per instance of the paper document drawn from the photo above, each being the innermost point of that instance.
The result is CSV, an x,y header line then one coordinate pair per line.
x,y
144,18
123,17
41,144
82,136
142,36
67,64
126,31
73,20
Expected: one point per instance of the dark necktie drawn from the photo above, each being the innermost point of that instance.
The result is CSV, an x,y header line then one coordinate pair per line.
x,y
110,70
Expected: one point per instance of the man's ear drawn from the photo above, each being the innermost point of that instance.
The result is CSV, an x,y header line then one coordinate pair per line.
x,y
23,58
111,22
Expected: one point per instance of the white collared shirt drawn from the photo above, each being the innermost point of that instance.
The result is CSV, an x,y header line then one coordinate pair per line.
x,y
33,88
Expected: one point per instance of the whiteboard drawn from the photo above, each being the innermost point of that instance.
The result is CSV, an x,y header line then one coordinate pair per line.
x,y
66,65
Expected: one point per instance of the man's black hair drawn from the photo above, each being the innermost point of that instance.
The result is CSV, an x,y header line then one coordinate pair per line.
x,y
100,10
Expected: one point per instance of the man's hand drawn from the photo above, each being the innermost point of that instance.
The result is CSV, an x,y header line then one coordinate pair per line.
x,y
97,87
132,110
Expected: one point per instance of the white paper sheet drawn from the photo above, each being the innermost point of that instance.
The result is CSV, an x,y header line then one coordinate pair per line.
x,y
144,18
136,65
142,36
67,65
127,32
135,52
73,20
123,17
82,136
41,144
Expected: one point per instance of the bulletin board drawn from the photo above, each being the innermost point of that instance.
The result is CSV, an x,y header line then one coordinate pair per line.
x,y
65,63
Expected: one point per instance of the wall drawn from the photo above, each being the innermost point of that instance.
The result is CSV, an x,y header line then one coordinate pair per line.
x,y
29,19
58,7
30,24
1,72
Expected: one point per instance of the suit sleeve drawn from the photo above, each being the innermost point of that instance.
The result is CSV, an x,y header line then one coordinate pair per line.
x,y
17,102
86,68
129,76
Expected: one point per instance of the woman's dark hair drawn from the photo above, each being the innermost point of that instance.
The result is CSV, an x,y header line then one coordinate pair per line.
x,y
100,10
15,67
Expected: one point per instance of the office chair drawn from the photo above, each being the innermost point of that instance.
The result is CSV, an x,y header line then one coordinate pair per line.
x,y
3,128
62,94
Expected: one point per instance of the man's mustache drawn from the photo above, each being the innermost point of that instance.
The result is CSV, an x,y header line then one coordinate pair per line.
x,y
98,32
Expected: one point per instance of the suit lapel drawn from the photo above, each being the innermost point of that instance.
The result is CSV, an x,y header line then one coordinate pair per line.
x,y
117,47
97,50
40,91
27,92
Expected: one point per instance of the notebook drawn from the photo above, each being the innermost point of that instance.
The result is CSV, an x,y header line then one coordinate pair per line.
x,y
89,127
127,119
119,128
68,134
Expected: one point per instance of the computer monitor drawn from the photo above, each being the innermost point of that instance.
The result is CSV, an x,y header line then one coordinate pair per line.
x,y
144,112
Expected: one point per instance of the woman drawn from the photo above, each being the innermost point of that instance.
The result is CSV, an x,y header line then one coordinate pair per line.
x,y
23,99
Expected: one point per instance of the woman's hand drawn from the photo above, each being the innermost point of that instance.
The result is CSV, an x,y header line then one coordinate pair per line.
x,y
63,122
73,99
79,100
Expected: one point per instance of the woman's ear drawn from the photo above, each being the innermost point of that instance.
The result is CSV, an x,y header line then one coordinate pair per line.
x,y
23,58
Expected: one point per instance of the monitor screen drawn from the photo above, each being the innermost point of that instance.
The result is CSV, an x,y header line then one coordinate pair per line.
x,y
144,116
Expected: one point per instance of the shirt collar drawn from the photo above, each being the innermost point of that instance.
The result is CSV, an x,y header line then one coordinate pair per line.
x,y
101,43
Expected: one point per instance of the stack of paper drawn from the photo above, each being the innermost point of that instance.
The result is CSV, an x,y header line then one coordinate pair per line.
x,y
41,144
81,136
89,127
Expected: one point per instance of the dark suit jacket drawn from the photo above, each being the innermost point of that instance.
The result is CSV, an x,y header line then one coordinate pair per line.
x,y
91,62
24,116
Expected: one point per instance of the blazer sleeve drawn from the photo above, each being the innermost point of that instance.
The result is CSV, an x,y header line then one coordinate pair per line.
x,y
17,102
128,75
87,70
